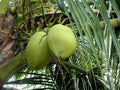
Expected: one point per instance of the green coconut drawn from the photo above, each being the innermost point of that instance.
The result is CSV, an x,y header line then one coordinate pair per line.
x,y
37,54
12,10
20,17
61,41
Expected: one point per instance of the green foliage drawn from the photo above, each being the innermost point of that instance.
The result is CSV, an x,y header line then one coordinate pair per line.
x,y
100,40
95,64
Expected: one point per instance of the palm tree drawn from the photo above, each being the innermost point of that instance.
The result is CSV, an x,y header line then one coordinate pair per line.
x,y
95,65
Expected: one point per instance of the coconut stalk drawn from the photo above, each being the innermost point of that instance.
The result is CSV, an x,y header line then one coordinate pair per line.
x,y
10,67
114,23
73,66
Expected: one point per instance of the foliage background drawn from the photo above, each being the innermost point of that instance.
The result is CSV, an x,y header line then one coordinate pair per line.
x,y
95,64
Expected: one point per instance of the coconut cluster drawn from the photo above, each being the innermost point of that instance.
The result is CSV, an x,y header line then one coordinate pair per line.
x,y
60,43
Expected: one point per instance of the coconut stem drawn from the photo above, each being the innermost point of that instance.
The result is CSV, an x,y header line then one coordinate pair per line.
x,y
114,23
8,68
72,66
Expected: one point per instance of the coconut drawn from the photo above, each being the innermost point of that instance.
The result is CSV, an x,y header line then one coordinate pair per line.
x,y
61,41
37,54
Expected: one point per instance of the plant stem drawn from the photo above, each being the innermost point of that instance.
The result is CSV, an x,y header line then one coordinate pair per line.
x,y
9,67
72,66
114,23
